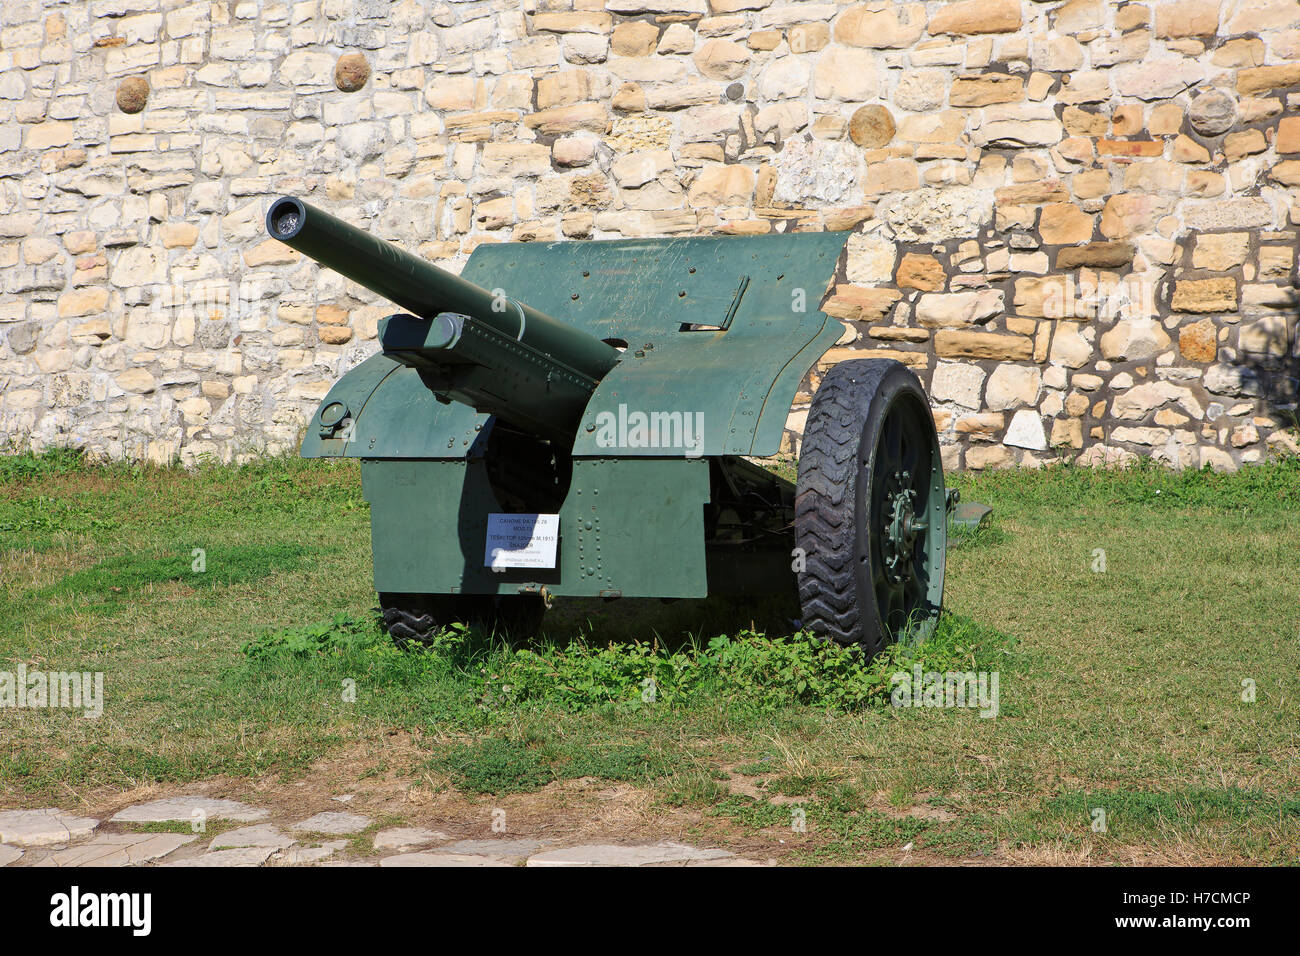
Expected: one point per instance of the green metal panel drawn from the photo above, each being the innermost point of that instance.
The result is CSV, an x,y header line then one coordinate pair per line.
x,y
637,528
628,526
393,416
740,379
351,392
424,519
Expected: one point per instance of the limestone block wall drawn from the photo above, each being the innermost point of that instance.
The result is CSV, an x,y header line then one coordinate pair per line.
x,y
1077,221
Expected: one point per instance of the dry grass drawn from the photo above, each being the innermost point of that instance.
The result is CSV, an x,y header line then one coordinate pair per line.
x,y
1125,690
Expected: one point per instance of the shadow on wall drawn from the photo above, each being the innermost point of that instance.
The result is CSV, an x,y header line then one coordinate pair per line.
x,y
1268,364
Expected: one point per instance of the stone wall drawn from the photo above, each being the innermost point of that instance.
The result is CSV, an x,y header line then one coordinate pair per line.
x,y
1076,220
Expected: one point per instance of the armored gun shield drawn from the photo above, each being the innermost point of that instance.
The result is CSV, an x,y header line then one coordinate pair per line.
x,y
577,418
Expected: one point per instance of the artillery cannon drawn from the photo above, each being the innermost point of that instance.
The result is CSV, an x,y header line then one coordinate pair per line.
x,y
595,441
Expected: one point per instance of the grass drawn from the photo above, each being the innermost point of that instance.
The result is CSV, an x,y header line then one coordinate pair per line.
x,y
1125,690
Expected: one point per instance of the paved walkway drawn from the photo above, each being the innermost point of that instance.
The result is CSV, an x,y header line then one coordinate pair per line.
x,y
51,837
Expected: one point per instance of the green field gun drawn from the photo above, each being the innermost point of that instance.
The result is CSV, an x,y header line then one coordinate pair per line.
x,y
578,419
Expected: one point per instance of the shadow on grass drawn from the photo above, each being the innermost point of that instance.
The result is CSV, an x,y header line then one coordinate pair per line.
x,y
671,624
123,577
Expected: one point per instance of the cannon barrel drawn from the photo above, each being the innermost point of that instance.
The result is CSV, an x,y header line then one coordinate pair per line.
x,y
470,344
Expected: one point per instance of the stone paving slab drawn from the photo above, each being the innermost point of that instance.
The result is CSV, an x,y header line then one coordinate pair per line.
x,y
401,838
46,827
443,859
305,855
243,856
118,849
508,851
610,855
721,861
263,844
333,822
262,834
181,810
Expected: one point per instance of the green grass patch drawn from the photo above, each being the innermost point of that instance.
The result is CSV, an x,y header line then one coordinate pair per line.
x,y
50,463
982,535
750,671
1135,812
120,577
495,766
41,516
1268,488
824,833
1120,688
210,829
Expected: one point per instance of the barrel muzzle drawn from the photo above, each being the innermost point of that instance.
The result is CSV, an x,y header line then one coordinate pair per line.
x,y
475,345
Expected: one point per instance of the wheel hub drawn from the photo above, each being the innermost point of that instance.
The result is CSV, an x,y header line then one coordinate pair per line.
x,y
902,526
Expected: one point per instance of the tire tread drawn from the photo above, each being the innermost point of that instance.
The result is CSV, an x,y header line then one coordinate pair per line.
x,y
825,523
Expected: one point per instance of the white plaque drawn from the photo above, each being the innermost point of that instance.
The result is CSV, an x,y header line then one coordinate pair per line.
x,y
521,541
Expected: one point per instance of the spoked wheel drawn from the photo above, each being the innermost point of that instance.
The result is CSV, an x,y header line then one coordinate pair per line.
x,y
870,508
413,619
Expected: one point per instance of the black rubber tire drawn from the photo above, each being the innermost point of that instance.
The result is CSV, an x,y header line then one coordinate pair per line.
x,y
835,590
414,619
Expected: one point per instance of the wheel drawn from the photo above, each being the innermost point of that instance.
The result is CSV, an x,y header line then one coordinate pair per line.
x,y
415,618
870,508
